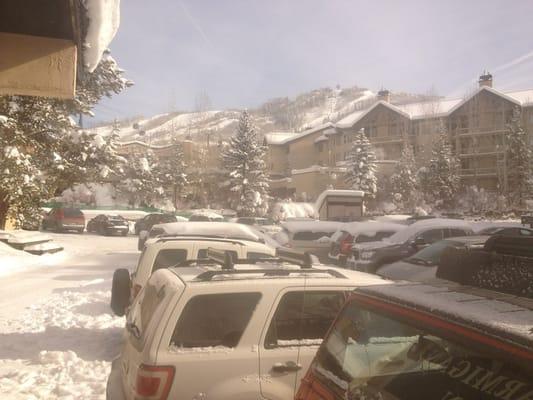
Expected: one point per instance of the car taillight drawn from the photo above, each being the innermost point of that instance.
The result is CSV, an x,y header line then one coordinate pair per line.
x,y
346,245
135,291
153,382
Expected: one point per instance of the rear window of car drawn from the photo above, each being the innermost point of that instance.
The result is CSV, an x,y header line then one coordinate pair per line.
x,y
167,218
371,355
214,320
362,238
303,318
72,212
167,258
308,236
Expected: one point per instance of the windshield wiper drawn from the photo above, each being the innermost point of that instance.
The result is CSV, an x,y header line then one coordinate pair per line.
x,y
133,329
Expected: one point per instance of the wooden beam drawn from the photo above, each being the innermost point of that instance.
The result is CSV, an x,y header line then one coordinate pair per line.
x,y
37,66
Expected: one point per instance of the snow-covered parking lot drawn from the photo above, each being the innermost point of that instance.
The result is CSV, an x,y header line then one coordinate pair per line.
x,y
57,333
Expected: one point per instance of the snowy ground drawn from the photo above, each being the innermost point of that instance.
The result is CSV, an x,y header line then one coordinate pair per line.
x,y
57,333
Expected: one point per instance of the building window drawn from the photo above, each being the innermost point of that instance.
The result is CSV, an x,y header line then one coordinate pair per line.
x,y
321,147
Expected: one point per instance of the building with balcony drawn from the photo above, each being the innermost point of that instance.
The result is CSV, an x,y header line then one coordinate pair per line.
x,y
304,164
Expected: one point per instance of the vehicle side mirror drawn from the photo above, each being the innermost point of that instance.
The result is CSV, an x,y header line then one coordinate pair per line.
x,y
120,291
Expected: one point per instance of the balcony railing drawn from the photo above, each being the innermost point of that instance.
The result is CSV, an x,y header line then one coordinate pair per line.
x,y
386,139
479,131
479,172
480,151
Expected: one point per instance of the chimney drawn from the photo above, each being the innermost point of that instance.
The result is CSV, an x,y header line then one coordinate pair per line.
x,y
485,79
384,95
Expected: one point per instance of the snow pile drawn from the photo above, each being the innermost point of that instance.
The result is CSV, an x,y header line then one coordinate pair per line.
x,y
104,20
12,260
57,375
284,210
38,361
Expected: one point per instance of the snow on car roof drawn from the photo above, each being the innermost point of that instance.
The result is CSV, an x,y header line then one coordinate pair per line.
x,y
508,316
405,234
370,228
354,278
216,229
312,226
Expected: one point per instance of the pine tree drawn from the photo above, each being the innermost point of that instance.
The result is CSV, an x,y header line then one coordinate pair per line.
x,y
53,150
518,160
441,177
173,173
244,161
403,181
141,184
361,166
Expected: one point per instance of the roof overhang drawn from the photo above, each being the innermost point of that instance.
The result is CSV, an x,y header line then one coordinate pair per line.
x,y
39,43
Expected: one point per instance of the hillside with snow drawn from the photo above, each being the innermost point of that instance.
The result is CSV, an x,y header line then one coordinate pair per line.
x,y
306,111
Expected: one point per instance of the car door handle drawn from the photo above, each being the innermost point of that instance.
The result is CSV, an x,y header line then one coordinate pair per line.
x,y
289,366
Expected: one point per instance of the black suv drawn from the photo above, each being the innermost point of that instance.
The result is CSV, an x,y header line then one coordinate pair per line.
x,y
149,220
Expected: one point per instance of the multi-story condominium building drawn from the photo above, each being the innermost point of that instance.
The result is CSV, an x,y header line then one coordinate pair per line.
x,y
306,163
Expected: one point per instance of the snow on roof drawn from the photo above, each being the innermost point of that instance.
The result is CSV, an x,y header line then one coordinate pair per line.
x,y
278,137
312,226
216,229
498,315
355,278
321,138
408,232
104,20
437,108
296,136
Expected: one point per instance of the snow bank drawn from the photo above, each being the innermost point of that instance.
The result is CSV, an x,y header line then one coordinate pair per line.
x,y
283,210
12,260
60,348
104,20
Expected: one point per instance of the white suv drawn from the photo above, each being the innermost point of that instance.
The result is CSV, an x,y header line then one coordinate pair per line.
x,y
241,332
165,252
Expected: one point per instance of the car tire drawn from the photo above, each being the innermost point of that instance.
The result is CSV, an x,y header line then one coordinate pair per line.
x,y
120,291
80,231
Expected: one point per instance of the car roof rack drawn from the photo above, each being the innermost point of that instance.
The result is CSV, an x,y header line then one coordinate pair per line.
x,y
303,259
209,275
206,238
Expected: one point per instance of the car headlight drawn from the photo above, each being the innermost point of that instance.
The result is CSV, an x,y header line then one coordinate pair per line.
x,y
367,255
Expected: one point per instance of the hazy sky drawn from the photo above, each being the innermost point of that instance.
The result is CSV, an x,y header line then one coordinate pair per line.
x,y
243,52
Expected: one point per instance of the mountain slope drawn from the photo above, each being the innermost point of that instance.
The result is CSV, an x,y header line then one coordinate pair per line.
x,y
281,114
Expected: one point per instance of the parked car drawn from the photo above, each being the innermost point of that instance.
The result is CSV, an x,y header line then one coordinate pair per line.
x,y
206,216
108,225
358,232
370,256
211,332
149,220
418,342
225,230
312,236
422,266
507,231
265,225
168,251
61,219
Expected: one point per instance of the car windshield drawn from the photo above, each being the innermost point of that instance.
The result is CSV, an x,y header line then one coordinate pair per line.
x,y
432,254
368,355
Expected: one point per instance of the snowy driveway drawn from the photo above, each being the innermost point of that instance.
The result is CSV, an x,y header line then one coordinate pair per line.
x,y
57,333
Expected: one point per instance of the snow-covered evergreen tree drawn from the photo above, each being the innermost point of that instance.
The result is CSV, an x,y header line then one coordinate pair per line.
x,y
141,183
244,160
361,166
441,177
403,181
518,161
53,149
173,173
